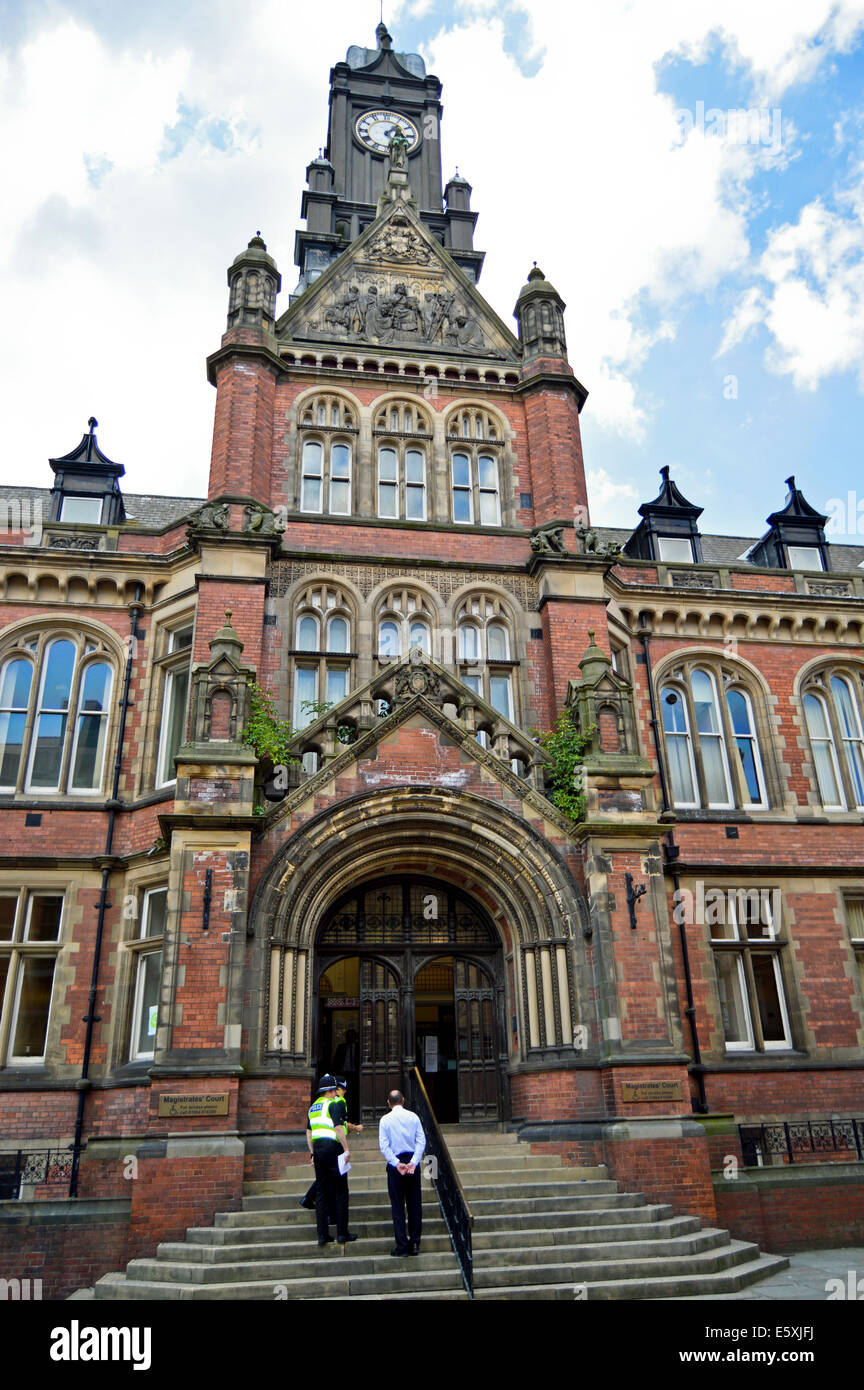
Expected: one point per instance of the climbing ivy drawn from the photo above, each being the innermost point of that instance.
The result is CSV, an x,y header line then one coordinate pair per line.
x,y
566,746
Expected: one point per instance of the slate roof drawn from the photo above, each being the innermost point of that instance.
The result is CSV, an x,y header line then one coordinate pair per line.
x,y
157,512
728,550
153,512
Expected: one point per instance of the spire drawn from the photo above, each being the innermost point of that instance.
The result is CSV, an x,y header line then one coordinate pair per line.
x,y
540,315
254,282
382,37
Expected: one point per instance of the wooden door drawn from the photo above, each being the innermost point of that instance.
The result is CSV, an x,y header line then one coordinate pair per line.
x,y
380,1068
477,1061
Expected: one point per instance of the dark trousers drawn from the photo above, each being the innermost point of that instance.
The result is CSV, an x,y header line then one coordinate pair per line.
x,y
404,1191
331,1189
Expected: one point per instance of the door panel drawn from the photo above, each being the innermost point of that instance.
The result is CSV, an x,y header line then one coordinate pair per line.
x,y
475,1030
380,1069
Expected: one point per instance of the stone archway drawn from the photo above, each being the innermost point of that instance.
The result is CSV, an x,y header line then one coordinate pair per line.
x,y
474,843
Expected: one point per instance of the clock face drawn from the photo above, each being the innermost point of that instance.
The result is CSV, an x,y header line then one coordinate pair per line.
x,y
375,129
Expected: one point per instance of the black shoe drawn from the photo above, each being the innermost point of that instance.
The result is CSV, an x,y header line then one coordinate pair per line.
x,y
344,1240
399,1253
415,1249
308,1206
328,1240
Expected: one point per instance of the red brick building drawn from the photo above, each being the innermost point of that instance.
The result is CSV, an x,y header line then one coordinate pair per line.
x,y
397,527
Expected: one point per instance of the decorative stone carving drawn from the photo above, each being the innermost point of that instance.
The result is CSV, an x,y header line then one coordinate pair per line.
x,y
399,242
213,516
394,286
693,579
417,678
223,681
74,542
261,520
827,587
548,539
589,542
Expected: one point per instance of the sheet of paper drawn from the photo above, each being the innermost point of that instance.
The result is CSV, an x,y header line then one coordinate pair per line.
x,y
344,1165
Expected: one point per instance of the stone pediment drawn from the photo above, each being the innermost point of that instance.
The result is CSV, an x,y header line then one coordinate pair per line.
x,y
395,286
418,688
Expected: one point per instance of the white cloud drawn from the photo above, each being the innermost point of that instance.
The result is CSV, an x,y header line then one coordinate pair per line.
x,y
810,295
611,503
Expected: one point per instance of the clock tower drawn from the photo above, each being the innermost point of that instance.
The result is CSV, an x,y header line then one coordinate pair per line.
x,y
374,94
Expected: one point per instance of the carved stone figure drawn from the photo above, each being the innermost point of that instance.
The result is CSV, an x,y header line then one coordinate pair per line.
x,y
261,520
549,539
591,544
213,516
398,150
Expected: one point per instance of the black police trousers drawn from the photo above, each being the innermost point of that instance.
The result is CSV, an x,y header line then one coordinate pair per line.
x,y
331,1189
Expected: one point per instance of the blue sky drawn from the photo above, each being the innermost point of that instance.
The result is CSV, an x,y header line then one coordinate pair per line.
x,y
715,283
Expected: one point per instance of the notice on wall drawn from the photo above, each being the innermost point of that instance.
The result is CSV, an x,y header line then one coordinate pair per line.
x,y
184,1106
431,1053
642,1091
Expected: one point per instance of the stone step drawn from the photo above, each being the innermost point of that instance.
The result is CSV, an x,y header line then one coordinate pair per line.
x,y
676,1286
599,1270
312,1263
334,1285
485,1237
470,1177
278,1247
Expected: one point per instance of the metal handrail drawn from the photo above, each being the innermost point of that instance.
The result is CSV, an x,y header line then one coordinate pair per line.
x,y
448,1189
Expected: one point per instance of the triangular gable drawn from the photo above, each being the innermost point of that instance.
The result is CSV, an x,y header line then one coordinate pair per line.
x,y
397,286
418,685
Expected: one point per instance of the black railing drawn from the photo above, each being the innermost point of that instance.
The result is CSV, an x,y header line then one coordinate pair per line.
x,y
28,1167
788,1138
448,1189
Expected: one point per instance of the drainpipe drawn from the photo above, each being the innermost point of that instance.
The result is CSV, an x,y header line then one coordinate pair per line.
x,y
672,852
83,1083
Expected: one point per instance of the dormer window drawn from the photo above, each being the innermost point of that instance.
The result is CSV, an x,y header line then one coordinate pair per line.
x,y
796,539
669,530
804,557
86,510
86,489
675,550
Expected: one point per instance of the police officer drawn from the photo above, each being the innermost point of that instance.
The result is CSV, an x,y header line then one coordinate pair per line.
x,y
327,1139
308,1201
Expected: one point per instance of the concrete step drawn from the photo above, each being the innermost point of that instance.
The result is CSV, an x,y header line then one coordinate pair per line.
x,y
280,1248
311,1263
336,1284
667,1286
600,1270
297,1232
376,1179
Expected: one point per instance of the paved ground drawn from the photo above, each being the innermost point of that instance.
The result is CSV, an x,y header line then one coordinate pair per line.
x,y
804,1280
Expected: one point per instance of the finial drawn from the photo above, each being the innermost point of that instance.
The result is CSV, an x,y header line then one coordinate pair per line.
x,y
664,472
229,611
591,632
790,482
92,422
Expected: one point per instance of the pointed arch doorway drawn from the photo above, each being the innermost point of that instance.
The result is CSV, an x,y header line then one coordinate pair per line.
x,y
410,972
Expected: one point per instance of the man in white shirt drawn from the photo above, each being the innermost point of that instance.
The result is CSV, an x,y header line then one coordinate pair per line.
x,y
403,1143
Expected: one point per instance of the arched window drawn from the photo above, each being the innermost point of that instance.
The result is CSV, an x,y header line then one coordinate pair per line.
x,y
55,693
475,443
405,620
322,673
327,427
712,746
484,651
833,702
402,433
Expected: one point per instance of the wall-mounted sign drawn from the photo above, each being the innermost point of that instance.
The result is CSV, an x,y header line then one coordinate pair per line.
x,y
643,1091
184,1106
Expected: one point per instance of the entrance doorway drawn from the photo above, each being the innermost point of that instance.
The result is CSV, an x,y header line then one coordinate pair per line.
x,y
410,973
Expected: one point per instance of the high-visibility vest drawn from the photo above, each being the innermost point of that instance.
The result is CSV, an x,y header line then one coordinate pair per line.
x,y
320,1123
